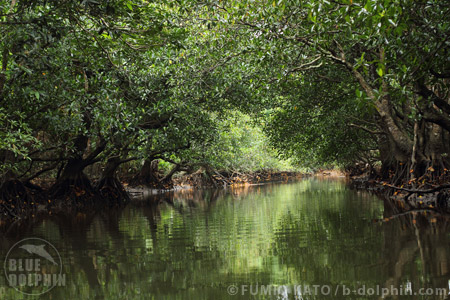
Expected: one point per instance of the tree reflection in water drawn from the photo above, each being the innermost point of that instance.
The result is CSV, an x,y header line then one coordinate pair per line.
x,y
192,244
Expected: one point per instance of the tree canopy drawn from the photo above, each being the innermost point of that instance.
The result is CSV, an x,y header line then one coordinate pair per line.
x,y
228,84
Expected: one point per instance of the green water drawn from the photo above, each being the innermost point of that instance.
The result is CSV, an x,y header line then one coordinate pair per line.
x,y
195,245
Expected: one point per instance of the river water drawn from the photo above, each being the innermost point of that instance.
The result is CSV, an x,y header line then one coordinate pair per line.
x,y
312,239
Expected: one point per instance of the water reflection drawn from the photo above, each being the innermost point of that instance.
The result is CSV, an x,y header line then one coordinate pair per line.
x,y
194,244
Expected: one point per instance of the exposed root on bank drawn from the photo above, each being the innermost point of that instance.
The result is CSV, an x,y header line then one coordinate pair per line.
x,y
208,177
112,191
410,193
15,200
75,190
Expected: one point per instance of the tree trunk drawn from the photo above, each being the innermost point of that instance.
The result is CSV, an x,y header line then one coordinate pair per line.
x,y
148,175
72,183
109,186
401,143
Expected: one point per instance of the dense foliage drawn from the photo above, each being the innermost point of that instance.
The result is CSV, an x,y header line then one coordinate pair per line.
x,y
334,67
100,84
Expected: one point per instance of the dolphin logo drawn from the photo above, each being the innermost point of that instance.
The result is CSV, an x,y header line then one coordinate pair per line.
x,y
38,250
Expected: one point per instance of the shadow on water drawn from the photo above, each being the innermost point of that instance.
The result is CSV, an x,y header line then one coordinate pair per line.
x,y
194,244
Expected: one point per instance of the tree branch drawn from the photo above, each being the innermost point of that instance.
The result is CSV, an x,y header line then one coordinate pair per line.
x,y
366,129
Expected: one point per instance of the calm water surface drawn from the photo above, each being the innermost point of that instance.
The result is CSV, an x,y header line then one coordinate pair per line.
x,y
195,245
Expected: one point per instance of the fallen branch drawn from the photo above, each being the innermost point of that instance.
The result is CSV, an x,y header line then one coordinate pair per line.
x,y
438,188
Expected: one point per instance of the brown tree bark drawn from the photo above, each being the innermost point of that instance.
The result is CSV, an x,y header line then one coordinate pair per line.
x,y
148,175
109,186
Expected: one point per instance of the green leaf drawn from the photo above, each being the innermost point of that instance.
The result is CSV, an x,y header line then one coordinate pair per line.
x,y
380,72
130,5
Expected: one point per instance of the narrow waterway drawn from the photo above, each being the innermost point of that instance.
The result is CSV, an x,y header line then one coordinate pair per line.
x,y
312,239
